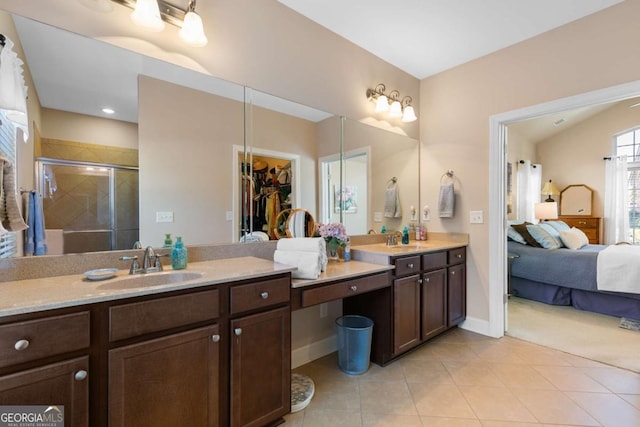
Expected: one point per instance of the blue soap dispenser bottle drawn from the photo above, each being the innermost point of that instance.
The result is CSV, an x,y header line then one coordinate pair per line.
x,y
405,235
179,255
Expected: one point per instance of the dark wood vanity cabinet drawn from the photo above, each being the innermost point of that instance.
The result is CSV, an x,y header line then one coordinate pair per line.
x,y
217,355
427,297
44,360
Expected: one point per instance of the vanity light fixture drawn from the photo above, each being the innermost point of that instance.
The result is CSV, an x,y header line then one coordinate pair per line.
x,y
392,103
152,14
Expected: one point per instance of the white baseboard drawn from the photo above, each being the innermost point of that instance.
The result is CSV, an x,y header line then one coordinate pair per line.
x,y
476,325
313,351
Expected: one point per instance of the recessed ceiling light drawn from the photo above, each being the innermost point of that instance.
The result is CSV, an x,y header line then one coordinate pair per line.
x,y
108,110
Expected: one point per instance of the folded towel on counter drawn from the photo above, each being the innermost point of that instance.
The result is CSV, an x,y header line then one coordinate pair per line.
x,y
392,207
306,244
307,263
446,201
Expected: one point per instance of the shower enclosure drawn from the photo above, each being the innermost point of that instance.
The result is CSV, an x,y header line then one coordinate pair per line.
x,y
88,207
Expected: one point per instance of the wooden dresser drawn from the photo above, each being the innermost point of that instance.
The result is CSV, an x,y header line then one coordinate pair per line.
x,y
590,225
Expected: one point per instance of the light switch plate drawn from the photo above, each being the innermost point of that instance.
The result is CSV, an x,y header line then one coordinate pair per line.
x,y
164,216
476,217
229,216
377,216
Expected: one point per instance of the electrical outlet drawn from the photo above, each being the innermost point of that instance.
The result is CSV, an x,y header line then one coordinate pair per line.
x,y
164,216
377,216
476,217
229,216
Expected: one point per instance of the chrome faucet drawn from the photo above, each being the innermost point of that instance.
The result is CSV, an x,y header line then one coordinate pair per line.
x,y
371,231
392,238
150,262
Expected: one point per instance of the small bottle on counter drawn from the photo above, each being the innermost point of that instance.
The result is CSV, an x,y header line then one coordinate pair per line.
x,y
179,255
405,235
347,250
383,229
167,240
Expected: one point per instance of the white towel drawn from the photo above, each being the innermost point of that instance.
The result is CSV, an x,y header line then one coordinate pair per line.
x,y
306,244
446,201
392,207
307,263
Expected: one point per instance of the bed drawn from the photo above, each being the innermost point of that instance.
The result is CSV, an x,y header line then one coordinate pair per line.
x,y
562,276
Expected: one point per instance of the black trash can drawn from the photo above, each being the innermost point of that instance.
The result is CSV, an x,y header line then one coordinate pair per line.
x,y
354,343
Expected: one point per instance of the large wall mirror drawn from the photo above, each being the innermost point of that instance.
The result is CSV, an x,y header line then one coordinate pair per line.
x,y
192,136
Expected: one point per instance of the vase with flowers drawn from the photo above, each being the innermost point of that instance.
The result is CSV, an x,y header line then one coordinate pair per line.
x,y
335,235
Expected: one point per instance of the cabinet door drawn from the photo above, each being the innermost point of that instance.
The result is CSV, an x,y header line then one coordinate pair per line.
x,y
169,381
434,303
59,384
457,294
261,368
406,313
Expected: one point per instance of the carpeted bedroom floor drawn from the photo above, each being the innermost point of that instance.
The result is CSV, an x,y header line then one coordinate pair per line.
x,y
594,336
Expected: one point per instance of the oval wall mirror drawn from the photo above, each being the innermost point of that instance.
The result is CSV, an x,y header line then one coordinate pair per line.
x,y
280,230
300,223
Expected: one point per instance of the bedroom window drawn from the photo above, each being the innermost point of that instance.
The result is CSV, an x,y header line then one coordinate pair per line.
x,y
628,144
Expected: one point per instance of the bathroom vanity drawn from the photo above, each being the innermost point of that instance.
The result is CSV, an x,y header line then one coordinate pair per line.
x,y
217,335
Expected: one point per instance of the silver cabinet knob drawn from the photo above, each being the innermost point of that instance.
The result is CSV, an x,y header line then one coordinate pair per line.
x,y
264,295
453,273
80,375
215,338
353,288
459,255
238,331
428,279
420,281
21,345
410,265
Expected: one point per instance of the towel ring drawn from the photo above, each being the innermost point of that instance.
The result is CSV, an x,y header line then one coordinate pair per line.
x,y
447,175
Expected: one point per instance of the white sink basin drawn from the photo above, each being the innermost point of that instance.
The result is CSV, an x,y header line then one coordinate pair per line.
x,y
151,279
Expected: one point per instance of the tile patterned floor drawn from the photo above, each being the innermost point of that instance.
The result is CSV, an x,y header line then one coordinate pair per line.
x,y
462,379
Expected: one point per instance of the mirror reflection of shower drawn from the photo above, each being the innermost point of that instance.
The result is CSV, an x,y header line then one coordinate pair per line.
x,y
88,207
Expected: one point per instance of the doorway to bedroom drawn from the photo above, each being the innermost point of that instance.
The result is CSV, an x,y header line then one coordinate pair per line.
x,y
517,316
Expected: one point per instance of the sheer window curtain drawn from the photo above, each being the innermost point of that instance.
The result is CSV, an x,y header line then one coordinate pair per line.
x,y
529,177
616,218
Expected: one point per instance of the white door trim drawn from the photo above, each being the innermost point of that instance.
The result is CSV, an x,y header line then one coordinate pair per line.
x,y
497,184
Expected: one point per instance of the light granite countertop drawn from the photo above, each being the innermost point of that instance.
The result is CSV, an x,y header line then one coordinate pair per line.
x,y
26,296
381,253
340,270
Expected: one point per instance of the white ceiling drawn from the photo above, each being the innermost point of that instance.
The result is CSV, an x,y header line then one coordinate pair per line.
x,y
425,37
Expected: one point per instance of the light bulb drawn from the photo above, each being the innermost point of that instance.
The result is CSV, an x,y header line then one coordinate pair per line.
x,y
396,109
382,104
147,14
192,31
409,115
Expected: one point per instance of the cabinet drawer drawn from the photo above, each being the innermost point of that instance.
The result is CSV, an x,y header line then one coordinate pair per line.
x,y
344,289
407,265
130,320
35,339
259,294
457,256
582,223
434,261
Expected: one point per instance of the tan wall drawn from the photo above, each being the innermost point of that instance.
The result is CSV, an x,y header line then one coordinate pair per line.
x,y
595,52
68,126
574,156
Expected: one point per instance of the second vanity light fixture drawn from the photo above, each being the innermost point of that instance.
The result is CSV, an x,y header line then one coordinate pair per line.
x,y
391,103
151,14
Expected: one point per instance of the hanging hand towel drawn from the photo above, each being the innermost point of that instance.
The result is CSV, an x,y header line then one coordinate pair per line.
x,y
392,207
36,222
446,201
10,215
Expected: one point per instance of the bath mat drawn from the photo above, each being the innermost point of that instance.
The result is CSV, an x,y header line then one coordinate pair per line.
x,y
302,389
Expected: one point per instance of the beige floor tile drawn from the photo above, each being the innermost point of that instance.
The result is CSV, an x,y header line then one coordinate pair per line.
x,y
615,379
389,397
495,351
492,423
450,422
554,407
295,419
328,418
391,372
337,395
570,378
440,400
633,399
453,351
390,420
473,373
608,409
521,376
425,371
496,403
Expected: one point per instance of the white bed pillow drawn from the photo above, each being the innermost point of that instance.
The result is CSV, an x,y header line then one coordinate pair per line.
x,y
574,238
